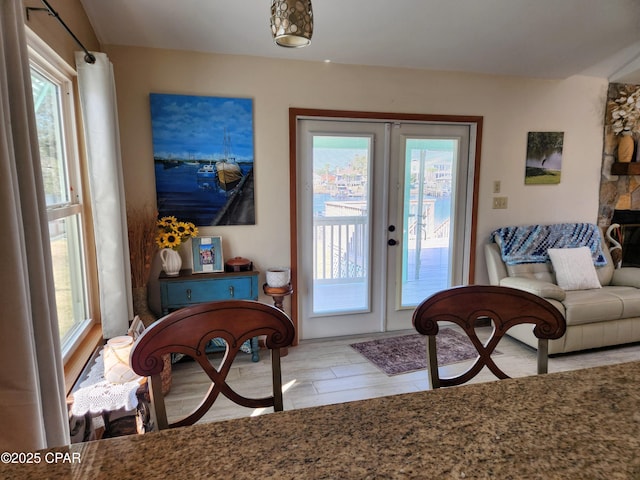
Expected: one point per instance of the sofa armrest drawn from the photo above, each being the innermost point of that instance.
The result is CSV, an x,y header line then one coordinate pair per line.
x,y
537,287
495,266
626,277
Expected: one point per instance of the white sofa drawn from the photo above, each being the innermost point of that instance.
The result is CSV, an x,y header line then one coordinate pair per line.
x,y
596,317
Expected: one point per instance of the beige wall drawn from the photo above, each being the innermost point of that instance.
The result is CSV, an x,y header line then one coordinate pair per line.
x,y
510,106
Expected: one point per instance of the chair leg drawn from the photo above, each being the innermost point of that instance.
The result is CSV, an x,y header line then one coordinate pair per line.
x,y
543,355
157,402
432,362
278,405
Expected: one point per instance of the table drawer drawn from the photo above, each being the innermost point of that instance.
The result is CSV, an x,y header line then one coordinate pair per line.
x,y
191,292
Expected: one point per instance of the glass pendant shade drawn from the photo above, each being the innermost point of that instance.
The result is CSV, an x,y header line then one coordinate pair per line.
x,y
292,22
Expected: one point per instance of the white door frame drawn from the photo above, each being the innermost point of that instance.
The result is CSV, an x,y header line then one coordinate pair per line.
x,y
398,317
475,122
367,316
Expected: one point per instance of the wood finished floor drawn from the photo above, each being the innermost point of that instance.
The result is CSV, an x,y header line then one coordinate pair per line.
x,y
322,372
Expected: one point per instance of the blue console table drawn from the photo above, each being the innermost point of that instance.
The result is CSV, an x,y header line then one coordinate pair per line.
x,y
192,288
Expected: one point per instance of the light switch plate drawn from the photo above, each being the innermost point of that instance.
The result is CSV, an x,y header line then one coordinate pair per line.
x,y
499,202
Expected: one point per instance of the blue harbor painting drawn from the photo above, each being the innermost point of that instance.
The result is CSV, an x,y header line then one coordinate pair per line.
x,y
203,157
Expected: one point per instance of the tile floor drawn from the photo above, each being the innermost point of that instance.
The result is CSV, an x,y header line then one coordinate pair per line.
x,y
321,372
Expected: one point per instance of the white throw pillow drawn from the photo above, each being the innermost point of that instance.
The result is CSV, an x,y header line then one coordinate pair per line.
x,y
574,268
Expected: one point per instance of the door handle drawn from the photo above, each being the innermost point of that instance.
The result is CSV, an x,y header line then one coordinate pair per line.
x,y
391,242
231,292
188,294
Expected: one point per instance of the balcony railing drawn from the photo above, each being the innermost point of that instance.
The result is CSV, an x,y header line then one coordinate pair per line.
x,y
339,251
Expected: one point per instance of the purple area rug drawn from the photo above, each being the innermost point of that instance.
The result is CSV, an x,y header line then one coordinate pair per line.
x,y
408,353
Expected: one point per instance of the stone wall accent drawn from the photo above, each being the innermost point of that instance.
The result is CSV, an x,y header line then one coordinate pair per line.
x,y
617,192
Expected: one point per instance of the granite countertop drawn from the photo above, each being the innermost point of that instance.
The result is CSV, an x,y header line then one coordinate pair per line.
x,y
573,425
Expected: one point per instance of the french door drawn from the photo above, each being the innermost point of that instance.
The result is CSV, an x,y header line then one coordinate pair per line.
x,y
384,217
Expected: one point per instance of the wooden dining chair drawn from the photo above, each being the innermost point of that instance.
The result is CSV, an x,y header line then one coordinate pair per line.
x,y
503,306
189,330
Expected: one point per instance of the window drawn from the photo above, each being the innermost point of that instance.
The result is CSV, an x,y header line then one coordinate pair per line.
x,y
53,103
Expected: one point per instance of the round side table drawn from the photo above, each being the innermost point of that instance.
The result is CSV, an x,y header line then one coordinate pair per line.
x,y
278,294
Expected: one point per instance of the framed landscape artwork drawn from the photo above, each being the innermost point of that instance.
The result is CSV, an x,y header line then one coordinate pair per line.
x,y
203,158
544,158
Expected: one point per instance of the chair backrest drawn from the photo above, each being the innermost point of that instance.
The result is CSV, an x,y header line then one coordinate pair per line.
x,y
188,331
504,306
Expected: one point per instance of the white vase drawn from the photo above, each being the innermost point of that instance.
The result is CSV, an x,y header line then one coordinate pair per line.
x,y
116,360
278,277
625,147
171,261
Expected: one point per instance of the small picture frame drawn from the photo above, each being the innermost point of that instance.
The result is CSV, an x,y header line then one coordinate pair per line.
x,y
207,254
136,328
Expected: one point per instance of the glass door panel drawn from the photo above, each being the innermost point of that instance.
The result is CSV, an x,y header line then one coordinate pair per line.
x,y
341,226
426,218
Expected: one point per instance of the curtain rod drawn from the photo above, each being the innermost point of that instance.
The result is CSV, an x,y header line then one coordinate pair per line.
x,y
88,56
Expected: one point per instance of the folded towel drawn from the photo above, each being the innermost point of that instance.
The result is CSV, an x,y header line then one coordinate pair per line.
x,y
529,244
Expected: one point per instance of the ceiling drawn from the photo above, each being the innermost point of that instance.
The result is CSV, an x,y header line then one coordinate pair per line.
x,y
533,38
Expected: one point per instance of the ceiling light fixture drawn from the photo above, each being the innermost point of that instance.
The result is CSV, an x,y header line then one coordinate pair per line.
x,y
292,22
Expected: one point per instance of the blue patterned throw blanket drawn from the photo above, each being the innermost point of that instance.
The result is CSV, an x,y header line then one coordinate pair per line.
x,y
529,244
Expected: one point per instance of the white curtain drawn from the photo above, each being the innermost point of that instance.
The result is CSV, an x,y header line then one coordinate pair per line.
x,y
33,411
99,113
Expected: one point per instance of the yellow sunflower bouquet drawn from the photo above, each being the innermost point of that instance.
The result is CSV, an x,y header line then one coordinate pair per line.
x,y
172,233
